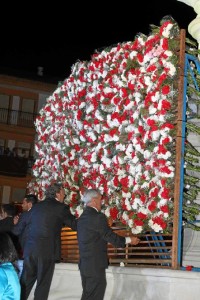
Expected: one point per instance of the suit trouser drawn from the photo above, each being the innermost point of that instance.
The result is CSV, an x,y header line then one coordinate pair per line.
x,y
93,287
38,269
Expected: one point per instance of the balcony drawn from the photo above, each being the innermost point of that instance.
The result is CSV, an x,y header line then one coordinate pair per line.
x,y
15,166
16,117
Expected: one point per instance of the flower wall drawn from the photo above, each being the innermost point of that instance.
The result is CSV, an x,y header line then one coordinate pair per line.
x,y
111,125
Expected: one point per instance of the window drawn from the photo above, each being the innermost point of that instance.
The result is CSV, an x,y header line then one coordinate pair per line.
x,y
17,195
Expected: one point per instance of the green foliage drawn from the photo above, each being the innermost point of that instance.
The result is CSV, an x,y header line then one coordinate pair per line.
x,y
191,209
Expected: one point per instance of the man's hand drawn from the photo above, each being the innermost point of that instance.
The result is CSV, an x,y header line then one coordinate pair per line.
x,y
15,220
134,240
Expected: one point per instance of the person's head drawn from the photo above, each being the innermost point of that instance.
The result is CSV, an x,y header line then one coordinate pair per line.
x,y
28,201
8,210
8,252
92,197
56,191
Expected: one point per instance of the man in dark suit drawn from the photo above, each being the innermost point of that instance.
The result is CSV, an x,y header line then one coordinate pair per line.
x,y
61,199
46,220
20,228
93,234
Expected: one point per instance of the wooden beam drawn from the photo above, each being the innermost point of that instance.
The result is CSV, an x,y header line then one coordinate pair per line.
x,y
179,140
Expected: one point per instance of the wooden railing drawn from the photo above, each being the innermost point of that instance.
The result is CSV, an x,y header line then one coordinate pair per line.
x,y
16,117
15,166
69,246
154,250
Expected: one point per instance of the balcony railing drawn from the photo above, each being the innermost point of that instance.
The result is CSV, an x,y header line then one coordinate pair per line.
x,y
16,166
17,117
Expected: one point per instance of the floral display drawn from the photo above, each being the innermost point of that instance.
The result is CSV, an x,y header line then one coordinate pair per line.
x,y
111,125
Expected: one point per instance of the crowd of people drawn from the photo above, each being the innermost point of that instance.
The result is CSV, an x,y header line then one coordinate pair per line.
x,y
14,152
35,237
16,161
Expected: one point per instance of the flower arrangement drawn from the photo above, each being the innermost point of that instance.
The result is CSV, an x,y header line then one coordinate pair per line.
x,y
111,125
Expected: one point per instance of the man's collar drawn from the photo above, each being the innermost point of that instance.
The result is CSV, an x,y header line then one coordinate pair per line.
x,y
93,207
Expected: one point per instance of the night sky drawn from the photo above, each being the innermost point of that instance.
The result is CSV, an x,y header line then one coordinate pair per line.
x,y
55,36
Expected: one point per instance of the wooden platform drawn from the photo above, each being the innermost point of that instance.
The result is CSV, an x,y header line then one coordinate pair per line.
x,y
153,250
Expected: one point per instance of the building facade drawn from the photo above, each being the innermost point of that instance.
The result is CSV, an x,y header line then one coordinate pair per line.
x,y
20,102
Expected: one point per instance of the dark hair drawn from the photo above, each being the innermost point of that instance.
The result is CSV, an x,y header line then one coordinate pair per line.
x,y
53,189
8,252
31,198
10,209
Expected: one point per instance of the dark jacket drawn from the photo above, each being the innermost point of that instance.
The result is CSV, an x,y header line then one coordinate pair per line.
x,y
20,229
93,234
44,226
6,225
